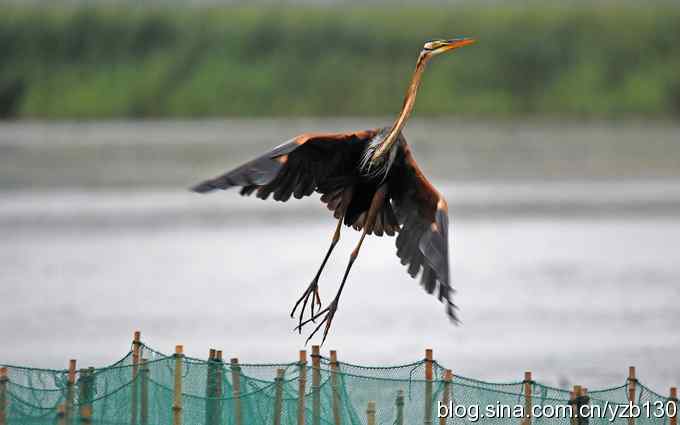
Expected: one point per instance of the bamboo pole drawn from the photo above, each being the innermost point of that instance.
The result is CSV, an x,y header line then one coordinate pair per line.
x,y
144,389
177,402
335,386
428,386
577,403
85,394
673,420
448,376
4,379
631,391
61,414
70,391
584,400
236,389
370,413
528,382
316,385
278,401
85,415
134,393
400,408
302,383
210,388
219,390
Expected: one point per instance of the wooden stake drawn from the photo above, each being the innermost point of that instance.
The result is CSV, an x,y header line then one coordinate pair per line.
x,y
631,391
61,414
572,403
177,404
448,376
278,401
85,415
210,388
144,388
673,420
577,403
370,413
85,394
400,408
302,383
236,389
337,420
527,398
4,379
70,390
584,400
428,386
219,383
316,385
136,345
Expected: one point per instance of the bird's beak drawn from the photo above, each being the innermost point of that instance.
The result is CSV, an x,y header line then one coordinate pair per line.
x,y
456,43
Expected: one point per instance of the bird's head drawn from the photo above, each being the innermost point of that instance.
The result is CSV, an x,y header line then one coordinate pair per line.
x,y
436,47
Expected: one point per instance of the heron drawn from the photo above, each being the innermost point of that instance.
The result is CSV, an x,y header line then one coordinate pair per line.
x,y
371,182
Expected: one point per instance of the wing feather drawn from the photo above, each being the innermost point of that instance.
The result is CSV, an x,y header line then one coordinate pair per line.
x,y
310,162
422,243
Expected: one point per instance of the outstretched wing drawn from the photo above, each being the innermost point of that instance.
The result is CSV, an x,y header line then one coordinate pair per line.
x,y
423,239
307,163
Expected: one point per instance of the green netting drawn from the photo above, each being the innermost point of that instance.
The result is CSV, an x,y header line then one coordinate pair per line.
x,y
270,394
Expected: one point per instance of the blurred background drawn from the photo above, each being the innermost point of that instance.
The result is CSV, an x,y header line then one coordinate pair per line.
x,y
555,139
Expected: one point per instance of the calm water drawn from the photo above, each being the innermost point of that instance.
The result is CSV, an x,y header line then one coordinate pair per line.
x,y
573,272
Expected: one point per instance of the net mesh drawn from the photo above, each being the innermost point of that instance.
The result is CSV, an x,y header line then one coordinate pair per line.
x,y
142,390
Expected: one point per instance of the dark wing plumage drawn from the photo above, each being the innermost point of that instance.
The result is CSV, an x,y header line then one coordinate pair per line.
x,y
307,163
423,239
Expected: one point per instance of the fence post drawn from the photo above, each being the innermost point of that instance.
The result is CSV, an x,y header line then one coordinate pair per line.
x,y
134,393
400,408
572,403
177,403
370,413
61,414
85,394
316,385
448,376
219,382
428,386
236,389
210,388
584,400
335,386
302,383
631,391
528,382
577,404
70,391
3,395
673,420
278,401
144,388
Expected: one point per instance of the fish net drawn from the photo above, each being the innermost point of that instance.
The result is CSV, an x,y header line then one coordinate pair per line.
x,y
148,387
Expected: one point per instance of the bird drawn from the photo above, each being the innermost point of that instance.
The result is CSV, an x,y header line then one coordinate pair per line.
x,y
371,182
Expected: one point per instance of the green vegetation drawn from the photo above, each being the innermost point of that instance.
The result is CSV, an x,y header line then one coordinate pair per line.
x,y
103,61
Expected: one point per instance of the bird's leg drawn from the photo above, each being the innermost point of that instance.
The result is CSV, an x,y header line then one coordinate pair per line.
x,y
329,312
313,287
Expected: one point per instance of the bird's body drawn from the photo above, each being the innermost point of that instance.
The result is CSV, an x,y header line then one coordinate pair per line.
x,y
370,181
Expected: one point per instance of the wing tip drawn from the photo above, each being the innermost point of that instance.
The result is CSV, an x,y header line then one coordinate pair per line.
x,y
205,187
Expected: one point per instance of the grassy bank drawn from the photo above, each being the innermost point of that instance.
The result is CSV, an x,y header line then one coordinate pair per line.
x,y
102,62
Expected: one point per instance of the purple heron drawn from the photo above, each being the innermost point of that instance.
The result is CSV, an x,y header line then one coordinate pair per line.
x,y
370,181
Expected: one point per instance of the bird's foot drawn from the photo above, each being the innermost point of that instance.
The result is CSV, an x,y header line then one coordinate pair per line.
x,y
328,313
311,291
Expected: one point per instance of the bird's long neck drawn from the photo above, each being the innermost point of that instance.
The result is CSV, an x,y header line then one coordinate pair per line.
x,y
409,102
